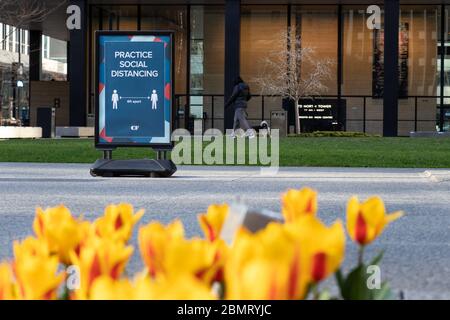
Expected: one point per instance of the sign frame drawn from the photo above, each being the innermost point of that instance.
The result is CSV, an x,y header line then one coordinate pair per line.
x,y
112,146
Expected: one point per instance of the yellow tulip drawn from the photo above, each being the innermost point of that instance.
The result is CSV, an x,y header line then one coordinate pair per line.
x,y
62,232
366,221
213,221
265,266
36,275
118,222
31,247
297,203
97,258
197,257
153,242
323,247
7,291
177,287
106,288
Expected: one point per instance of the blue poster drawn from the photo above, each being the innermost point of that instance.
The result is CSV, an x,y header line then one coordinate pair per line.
x,y
135,89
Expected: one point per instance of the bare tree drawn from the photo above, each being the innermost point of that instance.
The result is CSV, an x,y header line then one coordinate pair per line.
x,y
294,73
21,14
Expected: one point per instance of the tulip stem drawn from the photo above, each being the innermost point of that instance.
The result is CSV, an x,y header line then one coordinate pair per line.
x,y
361,255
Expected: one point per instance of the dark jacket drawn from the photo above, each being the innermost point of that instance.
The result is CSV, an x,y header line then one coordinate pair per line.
x,y
240,96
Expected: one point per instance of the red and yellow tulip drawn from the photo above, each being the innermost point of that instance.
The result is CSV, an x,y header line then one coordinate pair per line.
x,y
197,257
177,287
154,240
100,257
213,220
298,203
61,231
118,222
367,220
106,288
265,266
7,287
36,272
323,247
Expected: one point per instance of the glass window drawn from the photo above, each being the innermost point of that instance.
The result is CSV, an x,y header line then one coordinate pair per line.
x,y
363,68
10,33
207,49
120,17
444,52
172,18
262,27
207,61
3,36
359,77
317,27
418,65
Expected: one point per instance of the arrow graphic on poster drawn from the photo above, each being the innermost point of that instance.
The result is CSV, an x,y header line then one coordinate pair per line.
x,y
148,98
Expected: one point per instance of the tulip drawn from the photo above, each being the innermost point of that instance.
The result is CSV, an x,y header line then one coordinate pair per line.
x,y
265,266
106,288
154,240
118,222
197,257
100,257
62,232
213,221
177,287
31,247
297,203
323,247
36,271
366,221
7,291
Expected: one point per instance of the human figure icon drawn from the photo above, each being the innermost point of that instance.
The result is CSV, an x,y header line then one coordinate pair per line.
x,y
115,100
154,100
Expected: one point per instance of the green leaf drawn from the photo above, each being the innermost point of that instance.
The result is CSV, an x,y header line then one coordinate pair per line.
x,y
384,293
355,285
377,259
340,279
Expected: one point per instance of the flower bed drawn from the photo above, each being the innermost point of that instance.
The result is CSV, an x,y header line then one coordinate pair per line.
x,y
283,261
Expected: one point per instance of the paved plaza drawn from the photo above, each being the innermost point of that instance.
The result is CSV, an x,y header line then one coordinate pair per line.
x,y
417,259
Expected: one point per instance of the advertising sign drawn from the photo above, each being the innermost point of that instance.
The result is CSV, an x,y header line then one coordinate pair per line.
x,y
135,89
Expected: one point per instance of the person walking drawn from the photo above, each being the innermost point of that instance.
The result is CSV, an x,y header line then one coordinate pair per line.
x,y
239,100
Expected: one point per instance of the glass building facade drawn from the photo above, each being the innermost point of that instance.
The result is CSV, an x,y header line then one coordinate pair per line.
x,y
15,48
216,41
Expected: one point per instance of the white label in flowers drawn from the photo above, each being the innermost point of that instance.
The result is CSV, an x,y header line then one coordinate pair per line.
x,y
235,219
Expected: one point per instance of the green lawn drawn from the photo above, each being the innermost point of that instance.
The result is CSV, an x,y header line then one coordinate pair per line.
x,y
295,151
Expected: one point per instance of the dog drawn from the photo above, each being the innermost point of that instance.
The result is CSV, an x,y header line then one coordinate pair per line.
x,y
263,129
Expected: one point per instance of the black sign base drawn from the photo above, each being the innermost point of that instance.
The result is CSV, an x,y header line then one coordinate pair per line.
x,y
133,168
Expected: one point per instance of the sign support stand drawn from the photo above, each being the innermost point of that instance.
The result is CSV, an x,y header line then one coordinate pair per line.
x,y
107,154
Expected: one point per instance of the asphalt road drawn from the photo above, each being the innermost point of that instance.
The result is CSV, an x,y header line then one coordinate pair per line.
x,y
417,259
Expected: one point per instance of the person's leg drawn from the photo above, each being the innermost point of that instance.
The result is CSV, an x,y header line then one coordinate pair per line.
x,y
243,120
236,123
